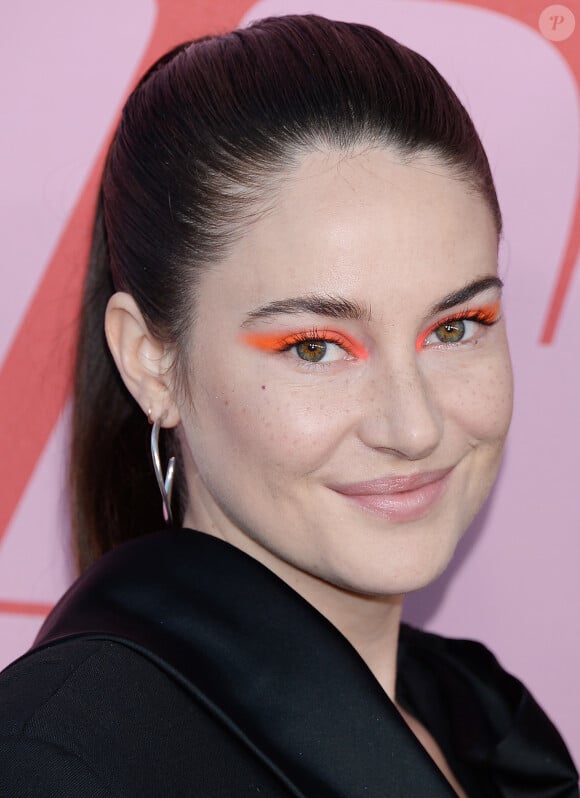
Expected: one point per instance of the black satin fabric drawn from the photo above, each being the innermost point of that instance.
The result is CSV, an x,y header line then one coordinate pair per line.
x,y
289,685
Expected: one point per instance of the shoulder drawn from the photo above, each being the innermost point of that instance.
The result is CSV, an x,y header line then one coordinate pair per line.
x,y
466,657
97,718
467,671
463,676
487,715
100,672
42,734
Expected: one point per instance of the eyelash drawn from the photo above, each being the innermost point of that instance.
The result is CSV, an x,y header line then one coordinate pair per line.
x,y
315,336
486,316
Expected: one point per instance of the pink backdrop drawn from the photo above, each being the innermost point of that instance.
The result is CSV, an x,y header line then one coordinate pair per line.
x,y
66,68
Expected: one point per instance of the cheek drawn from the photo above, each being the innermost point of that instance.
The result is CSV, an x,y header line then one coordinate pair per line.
x,y
269,426
484,397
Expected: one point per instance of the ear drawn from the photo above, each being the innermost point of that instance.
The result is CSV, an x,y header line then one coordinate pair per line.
x,y
143,361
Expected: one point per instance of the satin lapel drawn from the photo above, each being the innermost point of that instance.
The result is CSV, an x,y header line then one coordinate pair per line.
x,y
271,665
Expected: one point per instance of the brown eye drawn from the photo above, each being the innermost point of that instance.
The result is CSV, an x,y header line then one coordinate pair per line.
x,y
451,332
312,351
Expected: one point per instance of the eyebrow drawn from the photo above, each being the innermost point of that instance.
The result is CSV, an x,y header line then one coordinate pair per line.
x,y
464,294
341,308
320,305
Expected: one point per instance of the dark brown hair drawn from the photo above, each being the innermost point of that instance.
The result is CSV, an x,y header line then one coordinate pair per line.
x,y
200,144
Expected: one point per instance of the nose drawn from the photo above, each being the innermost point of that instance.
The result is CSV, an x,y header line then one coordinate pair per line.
x,y
401,413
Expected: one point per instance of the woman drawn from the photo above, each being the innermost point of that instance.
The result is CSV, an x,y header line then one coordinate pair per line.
x,y
295,264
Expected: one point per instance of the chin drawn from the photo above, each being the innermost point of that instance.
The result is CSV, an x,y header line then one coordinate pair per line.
x,y
394,560
392,574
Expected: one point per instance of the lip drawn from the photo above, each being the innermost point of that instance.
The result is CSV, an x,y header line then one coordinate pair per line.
x,y
404,498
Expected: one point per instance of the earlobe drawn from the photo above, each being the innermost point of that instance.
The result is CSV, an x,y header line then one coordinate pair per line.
x,y
144,362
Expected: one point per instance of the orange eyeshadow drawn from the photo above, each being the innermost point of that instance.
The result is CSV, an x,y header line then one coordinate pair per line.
x,y
277,342
486,314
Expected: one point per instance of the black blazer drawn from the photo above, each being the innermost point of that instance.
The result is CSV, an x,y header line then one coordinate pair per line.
x,y
179,666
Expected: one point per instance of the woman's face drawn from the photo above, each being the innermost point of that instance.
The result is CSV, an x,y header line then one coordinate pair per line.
x,y
350,381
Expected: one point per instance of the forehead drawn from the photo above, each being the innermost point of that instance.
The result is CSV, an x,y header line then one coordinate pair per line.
x,y
367,226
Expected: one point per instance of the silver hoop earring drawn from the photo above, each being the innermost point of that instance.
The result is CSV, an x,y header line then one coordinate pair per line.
x,y
165,482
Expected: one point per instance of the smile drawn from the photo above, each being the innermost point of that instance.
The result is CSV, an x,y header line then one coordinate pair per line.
x,y
398,499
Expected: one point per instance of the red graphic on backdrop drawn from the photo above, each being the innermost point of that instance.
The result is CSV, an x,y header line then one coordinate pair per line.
x,y
176,20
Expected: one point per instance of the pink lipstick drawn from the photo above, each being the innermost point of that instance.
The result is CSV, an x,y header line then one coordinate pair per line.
x,y
398,499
